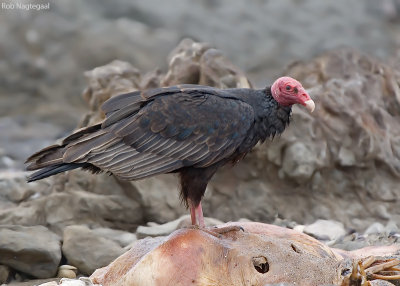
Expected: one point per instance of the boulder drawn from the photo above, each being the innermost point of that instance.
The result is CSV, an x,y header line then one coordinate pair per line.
x,y
123,238
33,250
58,210
88,251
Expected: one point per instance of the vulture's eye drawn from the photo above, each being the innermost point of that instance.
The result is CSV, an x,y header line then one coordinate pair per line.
x,y
288,87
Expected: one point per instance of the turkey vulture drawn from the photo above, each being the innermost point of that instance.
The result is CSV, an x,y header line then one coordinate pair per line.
x,y
187,129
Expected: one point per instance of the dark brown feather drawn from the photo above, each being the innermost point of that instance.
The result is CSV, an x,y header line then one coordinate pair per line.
x,y
188,129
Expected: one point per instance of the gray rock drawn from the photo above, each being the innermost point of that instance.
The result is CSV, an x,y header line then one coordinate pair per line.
x,y
123,238
216,70
58,210
197,63
32,250
106,81
159,197
299,162
15,189
375,228
351,167
346,157
88,251
155,230
325,229
391,228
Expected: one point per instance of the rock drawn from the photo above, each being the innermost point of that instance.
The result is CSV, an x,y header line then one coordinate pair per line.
x,y
197,63
159,197
123,238
299,162
325,229
342,159
375,228
299,228
391,228
4,274
157,230
32,250
87,251
58,210
346,157
184,64
15,189
216,70
67,271
106,81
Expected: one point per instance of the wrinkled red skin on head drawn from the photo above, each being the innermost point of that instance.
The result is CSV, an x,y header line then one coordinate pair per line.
x,y
288,91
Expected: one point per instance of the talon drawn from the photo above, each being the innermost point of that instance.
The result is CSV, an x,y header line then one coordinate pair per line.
x,y
217,231
226,229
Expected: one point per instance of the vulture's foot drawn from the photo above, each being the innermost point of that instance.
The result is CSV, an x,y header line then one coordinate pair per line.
x,y
372,268
217,231
226,229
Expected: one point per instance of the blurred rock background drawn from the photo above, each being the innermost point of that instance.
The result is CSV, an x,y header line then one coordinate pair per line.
x,y
342,163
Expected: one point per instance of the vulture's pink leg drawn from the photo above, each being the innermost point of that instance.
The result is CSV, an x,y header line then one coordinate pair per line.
x,y
196,214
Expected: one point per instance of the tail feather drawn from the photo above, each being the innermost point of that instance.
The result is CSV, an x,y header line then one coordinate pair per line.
x,y
52,170
52,155
50,160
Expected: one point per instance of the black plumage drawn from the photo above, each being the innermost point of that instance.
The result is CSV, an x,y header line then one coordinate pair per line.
x,y
189,129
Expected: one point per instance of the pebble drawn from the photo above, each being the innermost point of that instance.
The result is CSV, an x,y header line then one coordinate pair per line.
x,y
67,271
4,273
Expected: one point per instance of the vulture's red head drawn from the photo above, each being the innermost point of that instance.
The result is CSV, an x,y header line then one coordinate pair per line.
x,y
288,91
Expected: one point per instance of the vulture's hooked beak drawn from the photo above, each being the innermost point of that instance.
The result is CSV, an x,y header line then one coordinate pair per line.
x,y
310,105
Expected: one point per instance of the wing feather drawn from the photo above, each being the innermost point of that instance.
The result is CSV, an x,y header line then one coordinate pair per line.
x,y
163,130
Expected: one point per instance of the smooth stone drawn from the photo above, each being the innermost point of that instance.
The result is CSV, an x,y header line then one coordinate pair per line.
x,y
33,250
325,229
88,251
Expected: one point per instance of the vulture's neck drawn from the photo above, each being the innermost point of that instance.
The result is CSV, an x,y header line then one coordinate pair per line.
x,y
272,118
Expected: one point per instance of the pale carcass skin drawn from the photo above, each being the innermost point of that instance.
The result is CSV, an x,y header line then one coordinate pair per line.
x,y
195,257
